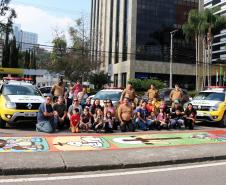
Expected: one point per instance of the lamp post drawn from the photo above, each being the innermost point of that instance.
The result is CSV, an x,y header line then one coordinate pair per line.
x,y
172,33
21,39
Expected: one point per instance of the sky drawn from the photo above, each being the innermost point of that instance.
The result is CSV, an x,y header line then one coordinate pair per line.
x,y
45,16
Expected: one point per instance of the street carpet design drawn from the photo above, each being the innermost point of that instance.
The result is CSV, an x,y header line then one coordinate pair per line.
x,y
109,142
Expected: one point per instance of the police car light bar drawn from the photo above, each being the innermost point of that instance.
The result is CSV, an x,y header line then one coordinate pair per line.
x,y
17,79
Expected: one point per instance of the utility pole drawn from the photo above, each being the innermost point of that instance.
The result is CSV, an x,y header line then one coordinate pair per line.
x,y
172,33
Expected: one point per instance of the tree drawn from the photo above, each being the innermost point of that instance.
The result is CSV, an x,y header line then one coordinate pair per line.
x,y
59,48
203,24
14,52
6,28
99,80
194,28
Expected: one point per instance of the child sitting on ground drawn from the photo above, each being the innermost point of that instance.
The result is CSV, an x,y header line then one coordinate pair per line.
x,y
98,120
108,121
161,119
74,121
152,119
86,120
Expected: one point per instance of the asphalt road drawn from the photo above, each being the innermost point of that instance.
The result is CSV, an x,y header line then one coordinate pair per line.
x,y
190,174
29,129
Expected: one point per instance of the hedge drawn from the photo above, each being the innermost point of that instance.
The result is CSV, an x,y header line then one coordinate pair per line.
x,y
143,85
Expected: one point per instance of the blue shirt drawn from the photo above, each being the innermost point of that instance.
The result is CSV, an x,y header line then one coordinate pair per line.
x,y
44,108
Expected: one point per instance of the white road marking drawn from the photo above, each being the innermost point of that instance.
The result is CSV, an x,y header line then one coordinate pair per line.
x,y
37,179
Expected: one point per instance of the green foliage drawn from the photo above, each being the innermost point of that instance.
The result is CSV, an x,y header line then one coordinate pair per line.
x,y
143,85
99,80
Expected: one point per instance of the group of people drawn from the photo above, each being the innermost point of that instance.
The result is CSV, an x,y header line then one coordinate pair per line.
x,y
73,110
154,113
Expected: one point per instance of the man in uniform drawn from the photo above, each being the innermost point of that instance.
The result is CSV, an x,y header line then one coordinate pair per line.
x,y
176,94
152,92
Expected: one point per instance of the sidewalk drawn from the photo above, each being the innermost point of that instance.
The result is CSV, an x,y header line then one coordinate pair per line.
x,y
77,161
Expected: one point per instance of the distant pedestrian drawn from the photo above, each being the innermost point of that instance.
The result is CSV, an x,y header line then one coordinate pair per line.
x,y
77,88
176,94
128,92
152,92
57,90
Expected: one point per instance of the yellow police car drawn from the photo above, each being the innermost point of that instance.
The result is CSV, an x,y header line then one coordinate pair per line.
x,y
211,105
19,102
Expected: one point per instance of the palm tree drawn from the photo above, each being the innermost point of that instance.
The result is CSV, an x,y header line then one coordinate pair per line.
x,y
192,30
213,25
203,24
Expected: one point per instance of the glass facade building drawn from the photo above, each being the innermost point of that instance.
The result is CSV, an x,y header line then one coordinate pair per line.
x,y
155,20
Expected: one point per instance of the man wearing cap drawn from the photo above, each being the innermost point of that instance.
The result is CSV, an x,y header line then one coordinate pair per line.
x,y
176,94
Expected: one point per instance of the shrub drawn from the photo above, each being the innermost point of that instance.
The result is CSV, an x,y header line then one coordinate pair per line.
x,y
143,85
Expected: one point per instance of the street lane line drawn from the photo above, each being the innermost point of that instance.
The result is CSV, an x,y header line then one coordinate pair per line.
x,y
38,179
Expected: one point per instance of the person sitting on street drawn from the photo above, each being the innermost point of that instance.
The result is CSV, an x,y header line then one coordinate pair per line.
x,y
75,121
142,117
153,121
86,122
99,120
46,121
190,116
61,113
162,119
108,122
73,106
87,104
125,115
176,115
96,105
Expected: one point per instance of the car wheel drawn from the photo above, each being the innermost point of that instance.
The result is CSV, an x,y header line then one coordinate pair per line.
x,y
222,123
2,123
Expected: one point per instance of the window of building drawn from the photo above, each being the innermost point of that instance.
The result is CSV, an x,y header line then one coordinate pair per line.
x,y
115,80
117,32
110,36
125,33
124,79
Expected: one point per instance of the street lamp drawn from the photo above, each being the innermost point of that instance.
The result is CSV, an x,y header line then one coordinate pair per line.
x,y
172,33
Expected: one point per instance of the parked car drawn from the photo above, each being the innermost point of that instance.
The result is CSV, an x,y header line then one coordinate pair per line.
x,y
19,102
46,91
164,95
210,106
112,94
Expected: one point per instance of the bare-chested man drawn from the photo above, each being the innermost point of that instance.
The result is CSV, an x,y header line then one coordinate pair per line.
x,y
125,112
129,93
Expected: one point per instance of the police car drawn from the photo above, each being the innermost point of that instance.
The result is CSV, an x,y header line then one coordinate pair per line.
x,y
19,101
211,105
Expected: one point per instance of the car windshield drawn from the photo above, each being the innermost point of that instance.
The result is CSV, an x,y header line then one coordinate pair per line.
x,y
45,90
210,96
20,90
111,95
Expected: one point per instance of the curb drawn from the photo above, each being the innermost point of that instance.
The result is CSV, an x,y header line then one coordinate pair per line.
x,y
65,169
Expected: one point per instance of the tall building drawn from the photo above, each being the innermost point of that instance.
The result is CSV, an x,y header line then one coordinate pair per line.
x,y
131,39
26,40
219,41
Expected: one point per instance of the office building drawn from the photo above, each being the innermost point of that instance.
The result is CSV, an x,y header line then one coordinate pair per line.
x,y
26,40
219,41
131,39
